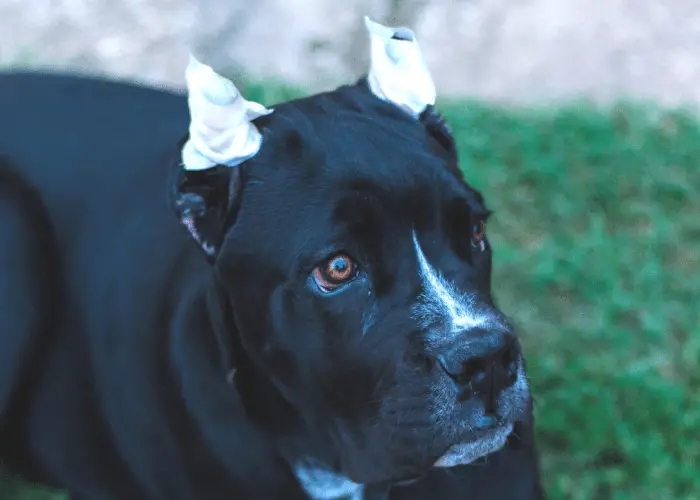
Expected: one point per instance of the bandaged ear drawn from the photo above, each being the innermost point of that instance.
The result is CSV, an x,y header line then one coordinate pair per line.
x,y
398,72
220,132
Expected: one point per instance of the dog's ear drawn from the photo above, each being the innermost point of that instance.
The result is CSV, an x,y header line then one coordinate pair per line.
x,y
221,128
221,137
207,203
399,74
441,139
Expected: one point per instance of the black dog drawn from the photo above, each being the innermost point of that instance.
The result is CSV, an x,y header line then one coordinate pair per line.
x,y
314,322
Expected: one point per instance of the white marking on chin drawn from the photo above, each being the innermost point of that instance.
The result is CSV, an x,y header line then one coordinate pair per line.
x,y
463,454
441,302
323,484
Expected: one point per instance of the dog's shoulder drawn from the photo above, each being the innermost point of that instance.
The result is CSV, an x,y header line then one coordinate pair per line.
x,y
80,133
97,151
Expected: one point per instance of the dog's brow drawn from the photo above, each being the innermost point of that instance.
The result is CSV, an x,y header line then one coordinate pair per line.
x,y
363,187
474,202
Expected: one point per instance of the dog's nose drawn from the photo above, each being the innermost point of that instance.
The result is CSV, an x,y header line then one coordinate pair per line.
x,y
483,362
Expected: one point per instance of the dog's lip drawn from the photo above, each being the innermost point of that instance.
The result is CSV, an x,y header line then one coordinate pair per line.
x,y
465,453
407,481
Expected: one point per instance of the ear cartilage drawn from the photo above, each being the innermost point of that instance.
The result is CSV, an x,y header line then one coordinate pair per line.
x,y
398,71
221,128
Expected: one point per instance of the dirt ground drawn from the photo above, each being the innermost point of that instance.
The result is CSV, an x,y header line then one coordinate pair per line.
x,y
507,50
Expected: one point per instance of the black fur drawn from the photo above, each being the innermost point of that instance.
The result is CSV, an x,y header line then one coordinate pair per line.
x,y
135,365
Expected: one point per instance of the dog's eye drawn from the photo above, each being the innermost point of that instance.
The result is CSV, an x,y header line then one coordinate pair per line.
x,y
335,272
479,235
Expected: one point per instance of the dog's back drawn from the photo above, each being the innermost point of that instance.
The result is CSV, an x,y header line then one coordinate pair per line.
x,y
80,139
29,284
66,144
79,156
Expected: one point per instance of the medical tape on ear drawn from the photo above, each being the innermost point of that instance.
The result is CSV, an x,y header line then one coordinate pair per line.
x,y
221,131
398,71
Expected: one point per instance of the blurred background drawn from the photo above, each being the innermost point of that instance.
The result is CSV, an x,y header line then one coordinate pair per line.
x,y
508,50
576,118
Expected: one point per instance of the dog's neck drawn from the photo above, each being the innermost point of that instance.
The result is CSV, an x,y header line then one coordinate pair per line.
x,y
265,405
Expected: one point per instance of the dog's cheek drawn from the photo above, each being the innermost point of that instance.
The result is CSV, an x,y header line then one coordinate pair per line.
x,y
291,348
251,284
350,389
283,365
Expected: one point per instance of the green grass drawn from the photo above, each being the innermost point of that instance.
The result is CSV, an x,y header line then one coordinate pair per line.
x,y
597,231
597,250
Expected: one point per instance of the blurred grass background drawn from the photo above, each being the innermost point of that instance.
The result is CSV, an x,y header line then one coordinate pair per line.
x,y
597,244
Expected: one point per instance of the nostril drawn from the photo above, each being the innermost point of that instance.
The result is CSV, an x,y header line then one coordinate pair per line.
x,y
506,357
429,363
471,374
512,372
509,354
477,377
444,364
485,363
464,372
509,360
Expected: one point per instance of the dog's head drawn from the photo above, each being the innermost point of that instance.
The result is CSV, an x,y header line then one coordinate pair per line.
x,y
357,267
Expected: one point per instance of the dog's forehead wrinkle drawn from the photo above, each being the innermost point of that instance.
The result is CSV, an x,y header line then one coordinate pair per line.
x,y
346,111
390,163
348,133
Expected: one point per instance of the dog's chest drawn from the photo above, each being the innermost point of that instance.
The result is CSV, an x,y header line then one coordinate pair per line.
x,y
322,484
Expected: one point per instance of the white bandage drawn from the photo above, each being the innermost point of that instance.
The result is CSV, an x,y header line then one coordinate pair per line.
x,y
221,132
398,72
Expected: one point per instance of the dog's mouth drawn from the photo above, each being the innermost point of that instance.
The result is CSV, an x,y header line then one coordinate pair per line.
x,y
409,480
466,453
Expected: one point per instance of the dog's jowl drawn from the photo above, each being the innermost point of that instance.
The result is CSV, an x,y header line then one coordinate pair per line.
x,y
204,298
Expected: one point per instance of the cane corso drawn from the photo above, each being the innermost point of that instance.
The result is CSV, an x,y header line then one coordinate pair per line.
x,y
207,299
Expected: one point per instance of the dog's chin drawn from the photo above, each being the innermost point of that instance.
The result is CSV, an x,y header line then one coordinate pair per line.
x,y
466,453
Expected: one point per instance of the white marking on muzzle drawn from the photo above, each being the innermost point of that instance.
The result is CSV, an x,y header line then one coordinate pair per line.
x,y
441,303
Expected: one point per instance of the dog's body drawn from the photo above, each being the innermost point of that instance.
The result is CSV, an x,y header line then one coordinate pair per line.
x,y
118,330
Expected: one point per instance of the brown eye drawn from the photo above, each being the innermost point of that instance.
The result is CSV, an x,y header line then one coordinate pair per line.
x,y
479,235
335,272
